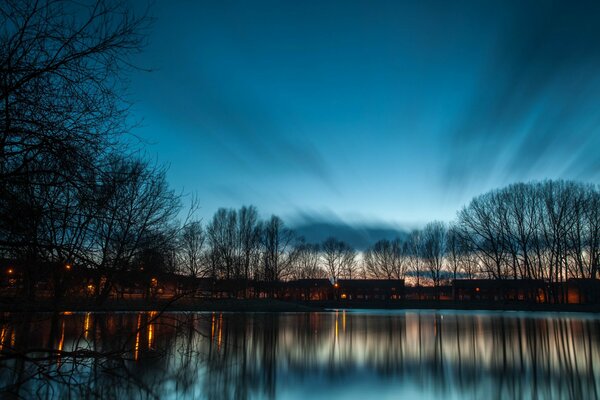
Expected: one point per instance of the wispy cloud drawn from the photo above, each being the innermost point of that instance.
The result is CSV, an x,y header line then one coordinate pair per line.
x,y
316,227
534,111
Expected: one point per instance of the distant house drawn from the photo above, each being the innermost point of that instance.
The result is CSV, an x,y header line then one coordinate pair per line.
x,y
308,289
583,291
443,292
531,290
232,288
369,289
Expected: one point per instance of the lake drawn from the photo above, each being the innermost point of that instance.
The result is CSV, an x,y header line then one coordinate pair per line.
x,y
350,354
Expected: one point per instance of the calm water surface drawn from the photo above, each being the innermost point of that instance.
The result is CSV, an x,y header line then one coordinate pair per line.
x,y
344,354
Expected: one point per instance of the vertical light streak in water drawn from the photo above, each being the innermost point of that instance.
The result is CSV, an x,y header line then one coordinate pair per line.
x,y
150,336
136,351
336,326
212,328
220,331
2,336
152,315
86,325
61,343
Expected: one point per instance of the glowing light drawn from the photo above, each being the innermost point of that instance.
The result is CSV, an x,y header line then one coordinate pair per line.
x,y
136,351
151,328
336,285
212,327
336,325
86,325
68,267
61,343
150,335
344,296
10,271
62,337
477,289
220,331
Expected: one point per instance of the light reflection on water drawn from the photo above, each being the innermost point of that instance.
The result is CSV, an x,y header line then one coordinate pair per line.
x,y
354,355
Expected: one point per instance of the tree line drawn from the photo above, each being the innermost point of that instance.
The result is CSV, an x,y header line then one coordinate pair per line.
x,y
546,230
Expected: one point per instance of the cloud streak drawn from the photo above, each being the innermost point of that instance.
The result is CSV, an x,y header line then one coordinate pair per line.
x,y
532,113
315,228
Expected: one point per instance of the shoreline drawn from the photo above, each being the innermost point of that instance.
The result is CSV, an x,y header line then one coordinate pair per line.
x,y
274,305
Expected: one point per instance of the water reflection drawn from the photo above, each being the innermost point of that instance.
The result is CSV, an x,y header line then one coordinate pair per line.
x,y
294,356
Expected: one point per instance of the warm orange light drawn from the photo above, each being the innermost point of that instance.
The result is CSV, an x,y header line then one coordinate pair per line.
x,y
68,267
336,324
2,335
86,325
344,295
61,343
136,350
336,285
150,336
477,289
212,327
220,331
10,271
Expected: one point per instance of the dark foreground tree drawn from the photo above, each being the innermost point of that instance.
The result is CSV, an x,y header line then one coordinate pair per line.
x,y
62,113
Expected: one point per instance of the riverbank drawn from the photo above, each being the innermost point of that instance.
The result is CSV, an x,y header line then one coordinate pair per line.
x,y
227,305
273,305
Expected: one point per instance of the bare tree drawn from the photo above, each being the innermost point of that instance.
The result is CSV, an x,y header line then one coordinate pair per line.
x,y
591,220
135,210
306,262
249,241
453,250
350,268
222,240
479,222
192,247
414,252
339,259
63,71
277,241
542,230
434,249
61,66
385,259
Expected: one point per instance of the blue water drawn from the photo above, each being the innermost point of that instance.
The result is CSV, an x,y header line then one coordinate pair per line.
x,y
346,354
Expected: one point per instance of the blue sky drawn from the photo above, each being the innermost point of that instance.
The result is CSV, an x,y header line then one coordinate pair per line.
x,y
368,112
